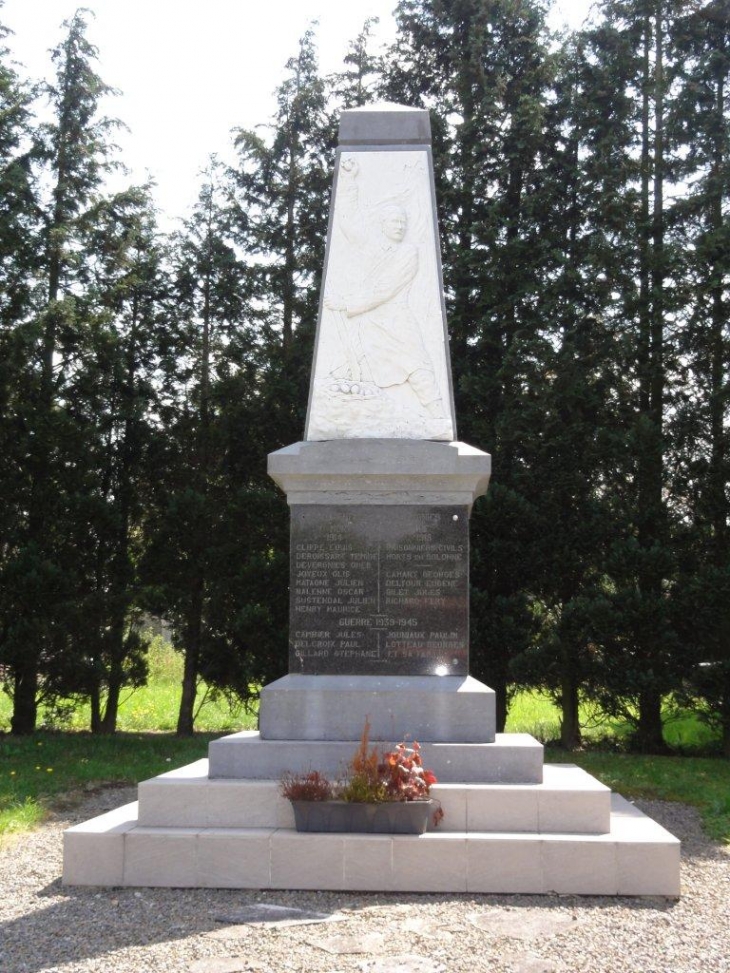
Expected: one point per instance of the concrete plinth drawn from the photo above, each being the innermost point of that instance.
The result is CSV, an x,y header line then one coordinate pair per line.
x,y
634,857
430,709
380,471
512,758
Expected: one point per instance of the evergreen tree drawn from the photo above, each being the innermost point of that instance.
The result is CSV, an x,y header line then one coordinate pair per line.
x,y
19,235
115,396
699,126
636,645
75,153
187,524
282,187
588,127
485,69
361,79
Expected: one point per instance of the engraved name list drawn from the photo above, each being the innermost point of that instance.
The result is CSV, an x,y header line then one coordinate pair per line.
x,y
379,590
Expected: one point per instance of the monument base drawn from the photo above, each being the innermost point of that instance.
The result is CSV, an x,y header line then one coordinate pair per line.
x,y
566,835
438,709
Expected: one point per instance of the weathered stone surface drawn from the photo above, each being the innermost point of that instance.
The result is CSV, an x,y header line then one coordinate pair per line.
x,y
404,963
379,590
350,945
525,924
223,964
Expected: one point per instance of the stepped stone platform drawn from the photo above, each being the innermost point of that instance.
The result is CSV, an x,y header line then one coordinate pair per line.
x,y
563,833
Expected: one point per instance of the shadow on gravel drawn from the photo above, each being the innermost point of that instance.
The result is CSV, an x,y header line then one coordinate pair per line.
x,y
88,923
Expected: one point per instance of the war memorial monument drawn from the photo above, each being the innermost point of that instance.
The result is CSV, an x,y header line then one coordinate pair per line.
x,y
380,492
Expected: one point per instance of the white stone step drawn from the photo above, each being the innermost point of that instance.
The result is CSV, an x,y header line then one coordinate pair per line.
x,y
513,758
636,857
567,801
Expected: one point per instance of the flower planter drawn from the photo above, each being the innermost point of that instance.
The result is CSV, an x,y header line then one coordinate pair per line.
x,y
390,817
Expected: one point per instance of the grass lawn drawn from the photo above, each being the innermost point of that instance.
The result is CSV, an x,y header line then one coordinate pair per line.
x,y
48,768
153,707
63,762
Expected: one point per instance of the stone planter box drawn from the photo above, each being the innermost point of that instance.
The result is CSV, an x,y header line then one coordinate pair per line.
x,y
391,817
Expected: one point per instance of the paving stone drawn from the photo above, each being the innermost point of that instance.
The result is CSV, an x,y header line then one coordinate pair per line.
x,y
407,963
519,963
276,915
224,964
524,924
429,929
349,945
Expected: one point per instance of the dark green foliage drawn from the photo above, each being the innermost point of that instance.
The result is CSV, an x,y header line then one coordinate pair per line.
x,y
583,187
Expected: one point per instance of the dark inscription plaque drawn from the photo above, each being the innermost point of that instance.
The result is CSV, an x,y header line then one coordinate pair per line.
x,y
379,590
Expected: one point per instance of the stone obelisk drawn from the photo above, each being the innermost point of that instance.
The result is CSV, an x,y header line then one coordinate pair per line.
x,y
380,491
380,494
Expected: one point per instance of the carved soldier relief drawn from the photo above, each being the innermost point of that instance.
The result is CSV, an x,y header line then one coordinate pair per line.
x,y
381,366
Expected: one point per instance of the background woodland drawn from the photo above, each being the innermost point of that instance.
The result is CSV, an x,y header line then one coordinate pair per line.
x,y
583,182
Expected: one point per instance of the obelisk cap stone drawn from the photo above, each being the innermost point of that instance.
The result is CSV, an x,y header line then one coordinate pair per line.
x,y
385,124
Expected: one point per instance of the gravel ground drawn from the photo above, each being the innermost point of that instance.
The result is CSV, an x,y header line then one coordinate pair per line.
x,y
45,927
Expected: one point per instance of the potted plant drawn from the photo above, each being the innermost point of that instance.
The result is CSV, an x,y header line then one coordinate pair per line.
x,y
380,793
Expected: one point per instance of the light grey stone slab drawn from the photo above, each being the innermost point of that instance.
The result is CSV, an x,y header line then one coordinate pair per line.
x,y
93,852
372,942
576,802
508,807
182,799
403,963
637,857
368,862
446,709
234,858
580,865
504,863
161,857
307,861
221,964
380,471
430,863
573,801
648,856
512,758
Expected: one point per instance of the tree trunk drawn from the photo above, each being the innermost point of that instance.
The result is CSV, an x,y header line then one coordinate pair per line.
x,y
194,627
650,729
570,731
25,696
108,723
95,704
502,704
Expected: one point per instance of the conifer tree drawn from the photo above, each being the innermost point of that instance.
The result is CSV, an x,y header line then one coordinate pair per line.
x,y
699,126
282,186
484,68
19,237
74,151
190,500
116,387
362,76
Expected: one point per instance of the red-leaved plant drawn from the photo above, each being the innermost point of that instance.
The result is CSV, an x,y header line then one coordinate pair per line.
x,y
372,777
